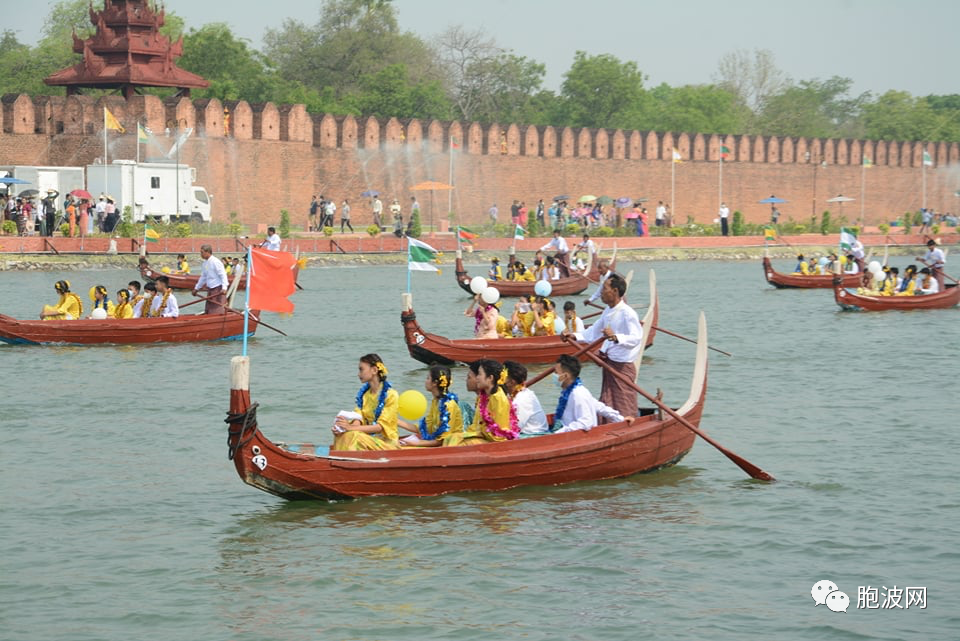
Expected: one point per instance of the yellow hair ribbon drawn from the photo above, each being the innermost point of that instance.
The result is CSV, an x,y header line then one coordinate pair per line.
x,y
503,377
442,382
382,369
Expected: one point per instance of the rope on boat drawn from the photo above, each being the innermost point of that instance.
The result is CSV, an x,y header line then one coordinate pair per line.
x,y
246,431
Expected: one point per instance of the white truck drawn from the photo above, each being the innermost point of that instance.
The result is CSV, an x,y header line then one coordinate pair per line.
x,y
157,190
62,179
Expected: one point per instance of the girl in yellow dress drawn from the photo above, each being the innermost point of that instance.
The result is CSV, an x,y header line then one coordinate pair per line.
x,y
69,307
442,418
495,418
124,309
377,404
102,301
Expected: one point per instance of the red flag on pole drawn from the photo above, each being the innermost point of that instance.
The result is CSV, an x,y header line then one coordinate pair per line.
x,y
271,280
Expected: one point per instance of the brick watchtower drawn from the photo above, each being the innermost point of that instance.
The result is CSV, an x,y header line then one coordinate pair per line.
x,y
126,52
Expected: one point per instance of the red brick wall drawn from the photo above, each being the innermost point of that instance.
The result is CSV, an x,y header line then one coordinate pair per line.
x,y
275,158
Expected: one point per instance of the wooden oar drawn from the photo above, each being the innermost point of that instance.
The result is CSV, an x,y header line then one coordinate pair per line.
x,y
742,463
542,375
659,329
689,340
941,271
194,302
234,311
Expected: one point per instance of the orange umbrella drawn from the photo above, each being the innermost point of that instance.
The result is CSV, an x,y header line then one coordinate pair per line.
x,y
431,185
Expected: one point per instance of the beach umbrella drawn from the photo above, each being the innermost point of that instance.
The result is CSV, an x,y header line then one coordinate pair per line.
x,y
641,199
431,186
605,200
370,193
10,180
624,201
840,199
28,193
556,198
81,193
587,199
630,215
773,199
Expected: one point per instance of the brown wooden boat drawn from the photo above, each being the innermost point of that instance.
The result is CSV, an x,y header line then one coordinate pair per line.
x,y
181,281
782,280
567,286
851,301
189,281
432,348
187,328
311,471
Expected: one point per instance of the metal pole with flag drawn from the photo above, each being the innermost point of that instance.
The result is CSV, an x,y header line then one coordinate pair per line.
x,y
673,179
109,122
246,305
927,162
867,163
453,145
420,257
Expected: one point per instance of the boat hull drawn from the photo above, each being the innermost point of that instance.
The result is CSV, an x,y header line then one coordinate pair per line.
x,y
782,280
310,471
852,302
131,331
567,286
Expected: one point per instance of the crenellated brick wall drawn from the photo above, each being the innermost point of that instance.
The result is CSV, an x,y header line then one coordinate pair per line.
x,y
258,159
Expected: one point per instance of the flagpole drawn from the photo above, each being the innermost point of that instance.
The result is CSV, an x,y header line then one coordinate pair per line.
x,y
246,307
106,175
863,182
673,183
408,265
720,185
138,141
923,174
450,192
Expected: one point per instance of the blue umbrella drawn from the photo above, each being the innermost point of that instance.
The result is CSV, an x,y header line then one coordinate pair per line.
x,y
773,199
370,193
624,201
556,198
10,180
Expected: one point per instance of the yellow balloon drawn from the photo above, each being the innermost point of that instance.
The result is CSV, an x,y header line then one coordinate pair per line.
x,y
843,260
166,270
413,405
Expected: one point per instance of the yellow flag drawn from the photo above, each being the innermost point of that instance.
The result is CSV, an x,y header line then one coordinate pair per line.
x,y
110,121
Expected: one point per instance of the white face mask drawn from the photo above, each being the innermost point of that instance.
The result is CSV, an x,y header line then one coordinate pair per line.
x,y
556,380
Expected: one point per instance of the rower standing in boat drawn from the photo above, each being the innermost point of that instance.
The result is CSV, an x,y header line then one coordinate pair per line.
x,y
377,404
494,418
603,266
213,278
559,244
577,409
69,307
621,325
443,417
935,259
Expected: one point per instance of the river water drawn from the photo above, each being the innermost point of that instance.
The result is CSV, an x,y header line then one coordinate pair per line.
x,y
123,519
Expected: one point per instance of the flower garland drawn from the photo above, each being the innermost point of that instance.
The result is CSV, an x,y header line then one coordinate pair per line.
x,y
146,302
572,323
492,426
384,388
562,402
163,304
118,311
443,424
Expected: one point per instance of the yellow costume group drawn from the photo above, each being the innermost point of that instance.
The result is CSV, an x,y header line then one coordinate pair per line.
x,y
69,307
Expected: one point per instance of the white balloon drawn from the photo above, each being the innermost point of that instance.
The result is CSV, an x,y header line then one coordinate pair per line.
x,y
490,295
542,288
99,313
875,266
478,284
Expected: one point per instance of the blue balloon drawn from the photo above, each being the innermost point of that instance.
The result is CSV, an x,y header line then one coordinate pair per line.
x,y
823,261
542,288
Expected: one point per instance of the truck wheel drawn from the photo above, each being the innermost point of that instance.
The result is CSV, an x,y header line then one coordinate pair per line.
x,y
196,218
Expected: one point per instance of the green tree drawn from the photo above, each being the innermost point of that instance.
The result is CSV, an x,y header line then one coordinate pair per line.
x,y
602,91
896,115
813,108
694,108
389,92
234,70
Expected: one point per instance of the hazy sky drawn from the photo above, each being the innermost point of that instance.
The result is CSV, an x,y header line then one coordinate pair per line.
x,y
880,44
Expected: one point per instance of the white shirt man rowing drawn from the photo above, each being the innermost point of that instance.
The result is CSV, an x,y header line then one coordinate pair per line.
x,y
213,279
621,325
273,240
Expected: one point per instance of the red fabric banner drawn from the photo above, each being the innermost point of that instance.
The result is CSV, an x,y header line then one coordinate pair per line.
x,y
271,280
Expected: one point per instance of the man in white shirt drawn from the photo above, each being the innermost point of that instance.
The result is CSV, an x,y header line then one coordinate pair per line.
x,y
603,266
621,325
273,240
587,245
329,213
377,211
559,244
101,214
935,259
164,303
577,409
213,278
724,215
530,415
661,214
141,308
